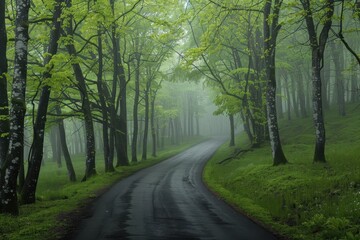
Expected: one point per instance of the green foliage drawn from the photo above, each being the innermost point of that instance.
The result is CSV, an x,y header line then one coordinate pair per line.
x,y
329,228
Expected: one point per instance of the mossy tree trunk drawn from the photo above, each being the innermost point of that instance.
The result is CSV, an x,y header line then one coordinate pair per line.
x,y
11,166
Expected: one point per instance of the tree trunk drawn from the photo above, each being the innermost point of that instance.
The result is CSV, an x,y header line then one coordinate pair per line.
x,y
121,133
135,109
318,48
105,116
279,104
294,97
123,157
354,84
270,35
338,59
301,93
152,123
325,79
146,120
232,130
4,104
89,127
65,150
36,156
56,151
11,166
288,97
246,125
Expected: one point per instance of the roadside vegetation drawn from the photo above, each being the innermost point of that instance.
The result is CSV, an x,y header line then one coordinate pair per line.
x,y
300,200
60,202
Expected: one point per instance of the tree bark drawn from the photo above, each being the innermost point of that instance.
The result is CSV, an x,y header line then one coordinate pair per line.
x,y
65,150
4,104
36,154
146,120
135,109
338,59
105,116
301,93
56,151
354,85
232,130
89,127
152,123
270,35
318,48
11,166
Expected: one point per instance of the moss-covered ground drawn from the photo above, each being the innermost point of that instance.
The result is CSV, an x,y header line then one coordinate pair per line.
x,y
299,200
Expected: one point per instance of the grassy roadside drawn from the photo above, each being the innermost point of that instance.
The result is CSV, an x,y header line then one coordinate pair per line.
x,y
57,197
300,200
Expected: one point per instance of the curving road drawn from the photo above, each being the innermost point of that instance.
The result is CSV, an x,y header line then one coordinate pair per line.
x,y
168,201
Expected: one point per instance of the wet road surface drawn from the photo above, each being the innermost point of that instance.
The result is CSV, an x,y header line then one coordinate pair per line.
x,y
168,201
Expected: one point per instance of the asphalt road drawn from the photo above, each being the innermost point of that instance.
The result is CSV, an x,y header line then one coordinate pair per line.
x,y
168,201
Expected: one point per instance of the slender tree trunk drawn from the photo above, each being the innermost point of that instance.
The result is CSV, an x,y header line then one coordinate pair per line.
x,y
325,79
270,35
171,131
11,166
4,104
152,123
318,48
146,120
36,156
141,133
123,157
279,98
338,59
65,150
135,109
294,97
109,167
288,97
354,85
163,132
89,127
121,133
232,130
301,93
246,125
56,154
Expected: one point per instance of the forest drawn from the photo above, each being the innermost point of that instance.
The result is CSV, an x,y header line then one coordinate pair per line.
x,y
104,87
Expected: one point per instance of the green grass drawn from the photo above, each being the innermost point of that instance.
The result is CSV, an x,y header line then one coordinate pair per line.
x,y
300,200
57,197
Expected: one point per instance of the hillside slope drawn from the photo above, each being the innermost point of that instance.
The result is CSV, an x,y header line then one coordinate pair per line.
x,y
300,200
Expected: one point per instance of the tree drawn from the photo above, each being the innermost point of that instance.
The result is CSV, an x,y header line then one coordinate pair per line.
x,y
271,30
36,155
65,150
81,85
317,45
11,166
4,104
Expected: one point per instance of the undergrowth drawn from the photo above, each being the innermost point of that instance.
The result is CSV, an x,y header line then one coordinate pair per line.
x,y
299,200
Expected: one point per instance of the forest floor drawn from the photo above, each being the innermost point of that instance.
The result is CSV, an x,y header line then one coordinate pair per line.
x,y
299,200
61,203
